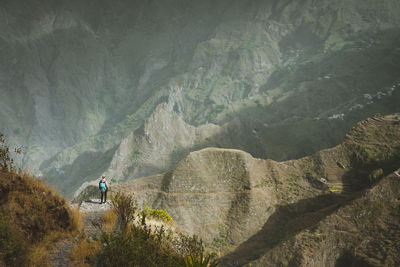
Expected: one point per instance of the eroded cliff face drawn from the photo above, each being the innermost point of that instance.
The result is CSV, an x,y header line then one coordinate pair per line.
x,y
163,140
289,77
363,232
266,212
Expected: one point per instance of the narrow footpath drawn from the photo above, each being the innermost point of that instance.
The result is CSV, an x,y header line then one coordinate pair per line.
x,y
91,211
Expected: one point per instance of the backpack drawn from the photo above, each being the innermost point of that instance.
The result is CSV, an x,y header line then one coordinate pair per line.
x,y
102,186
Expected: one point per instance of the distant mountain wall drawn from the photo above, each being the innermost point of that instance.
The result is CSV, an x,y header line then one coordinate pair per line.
x,y
283,78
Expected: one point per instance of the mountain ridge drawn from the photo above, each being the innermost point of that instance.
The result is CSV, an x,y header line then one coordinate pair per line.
x,y
226,196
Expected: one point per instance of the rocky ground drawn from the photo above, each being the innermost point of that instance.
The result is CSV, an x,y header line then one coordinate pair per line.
x,y
91,211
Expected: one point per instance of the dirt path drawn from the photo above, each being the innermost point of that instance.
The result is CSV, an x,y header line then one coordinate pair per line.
x,y
62,250
92,211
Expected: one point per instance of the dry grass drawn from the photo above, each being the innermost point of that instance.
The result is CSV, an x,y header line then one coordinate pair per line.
x,y
39,256
76,219
109,220
84,253
37,213
33,206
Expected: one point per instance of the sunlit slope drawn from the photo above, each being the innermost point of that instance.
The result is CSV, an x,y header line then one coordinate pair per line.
x,y
252,209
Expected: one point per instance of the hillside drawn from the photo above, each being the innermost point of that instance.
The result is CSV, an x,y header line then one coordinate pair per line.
x,y
362,232
283,79
253,210
32,218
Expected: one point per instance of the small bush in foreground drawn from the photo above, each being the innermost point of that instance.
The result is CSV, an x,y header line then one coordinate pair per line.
x,y
84,254
109,220
138,244
200,261
125,207
76,219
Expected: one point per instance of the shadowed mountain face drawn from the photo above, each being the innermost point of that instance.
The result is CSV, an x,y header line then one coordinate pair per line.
x,y
81,80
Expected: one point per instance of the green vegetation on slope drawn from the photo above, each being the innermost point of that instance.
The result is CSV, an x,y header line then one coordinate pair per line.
x,y
137,243
157,214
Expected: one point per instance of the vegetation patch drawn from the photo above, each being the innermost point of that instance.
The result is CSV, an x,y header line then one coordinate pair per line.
x,y
157,214
220,242
13,249
109,220
84,254
136,243
32,216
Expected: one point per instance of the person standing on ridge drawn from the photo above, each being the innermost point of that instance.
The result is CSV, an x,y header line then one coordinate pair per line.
x,y
103,186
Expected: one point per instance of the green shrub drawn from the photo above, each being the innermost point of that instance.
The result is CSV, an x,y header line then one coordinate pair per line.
x,y
125,207
219,243
157,214
138,244
367,156
188,245
200,261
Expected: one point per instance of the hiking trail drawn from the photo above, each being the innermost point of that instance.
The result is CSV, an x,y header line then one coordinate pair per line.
x,y
91,211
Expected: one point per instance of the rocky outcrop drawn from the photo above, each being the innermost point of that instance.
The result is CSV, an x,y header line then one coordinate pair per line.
x,y
163,140
215,189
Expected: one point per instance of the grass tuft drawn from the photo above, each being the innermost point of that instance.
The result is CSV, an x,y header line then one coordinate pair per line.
x,y
39,256
76,219
109,220
85,252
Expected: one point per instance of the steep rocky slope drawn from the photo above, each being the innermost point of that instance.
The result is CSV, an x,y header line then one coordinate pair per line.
x,y
259,208
362,232
288,77
162,141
